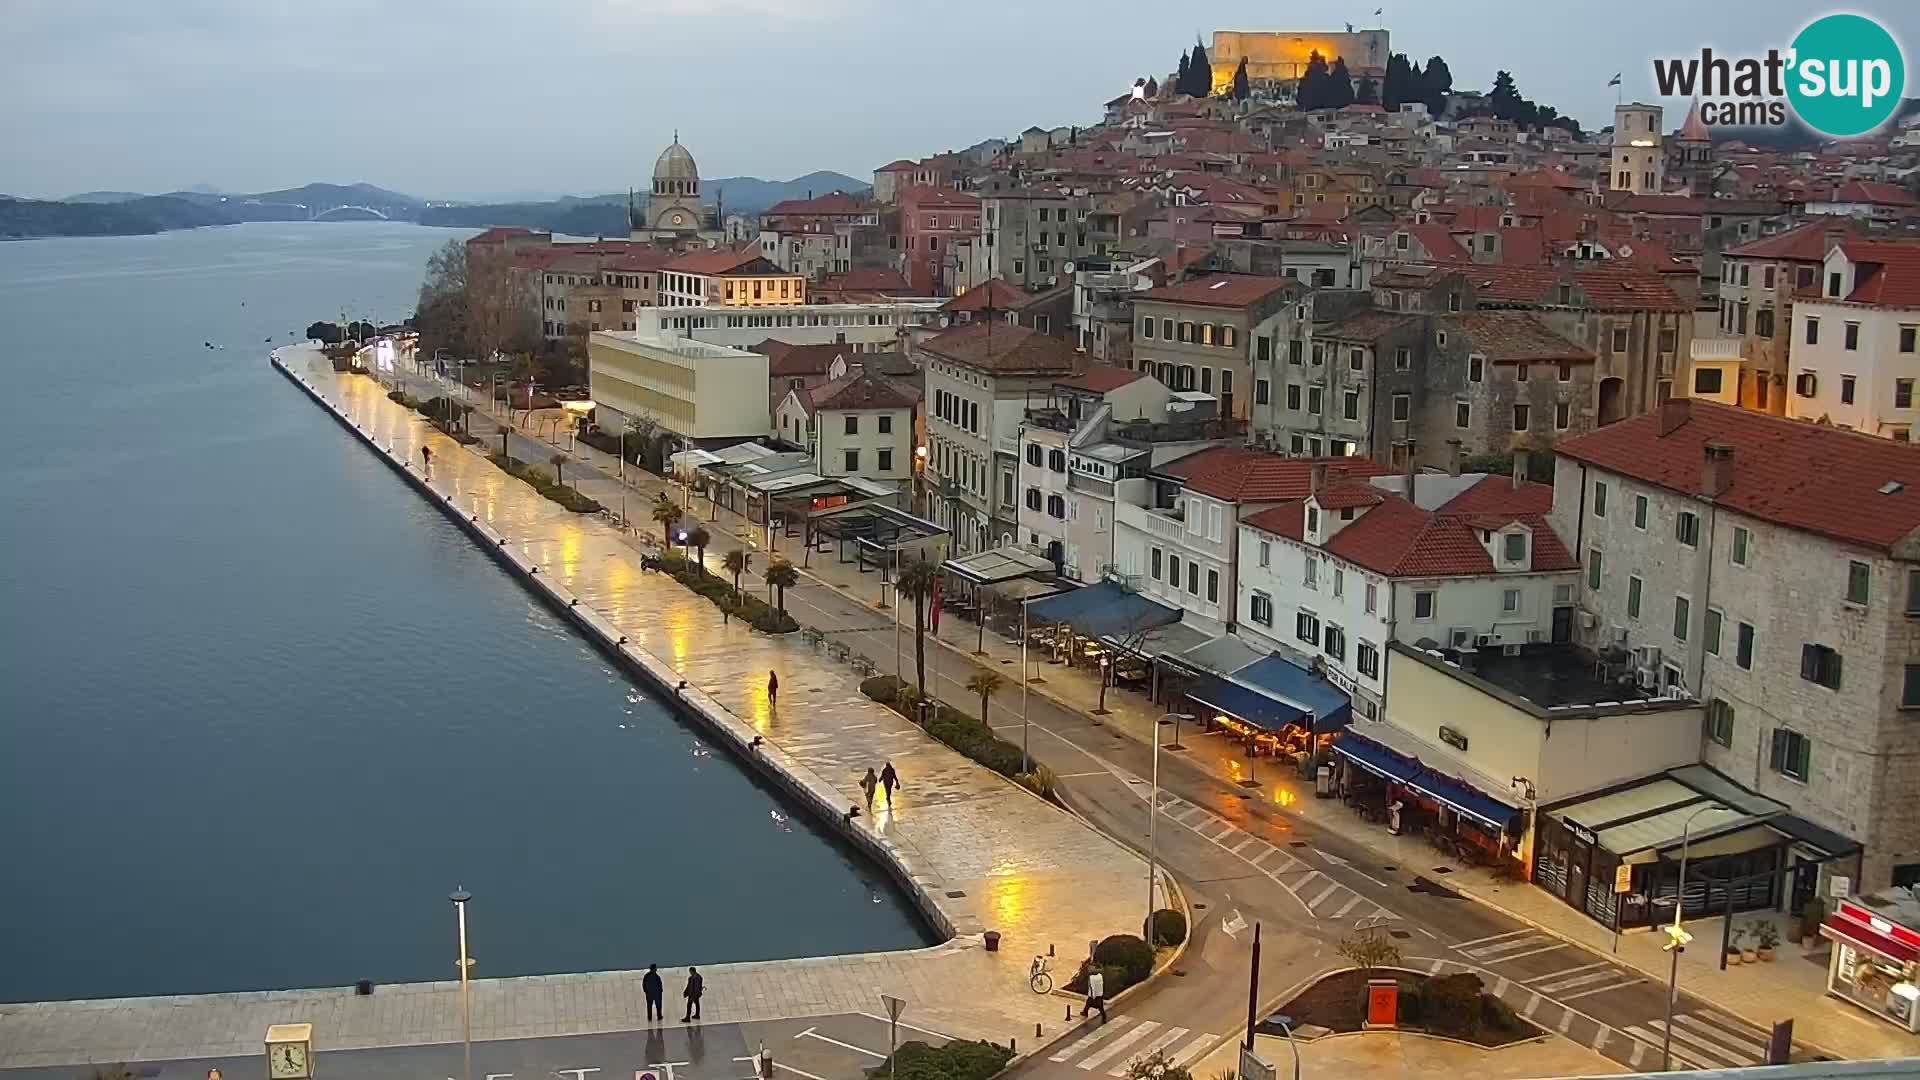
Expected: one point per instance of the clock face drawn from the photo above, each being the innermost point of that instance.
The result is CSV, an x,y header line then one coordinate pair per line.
x,y
678,218
287,1061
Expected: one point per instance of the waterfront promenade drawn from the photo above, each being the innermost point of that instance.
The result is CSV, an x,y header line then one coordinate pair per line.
x,y
982,852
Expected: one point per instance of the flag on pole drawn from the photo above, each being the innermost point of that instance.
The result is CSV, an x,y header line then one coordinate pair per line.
x,y
1377,11
1615,81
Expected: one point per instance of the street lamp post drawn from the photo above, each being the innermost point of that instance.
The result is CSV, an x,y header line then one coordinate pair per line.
x,y
1286,1025
1153,816
1677,938
460,897
1026,759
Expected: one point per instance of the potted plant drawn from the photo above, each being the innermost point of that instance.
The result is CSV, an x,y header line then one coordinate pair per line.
x,y
1734,955
1749,954
1811,916
1767,938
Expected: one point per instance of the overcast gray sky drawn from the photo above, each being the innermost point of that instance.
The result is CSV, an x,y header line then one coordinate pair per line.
x,y
465,98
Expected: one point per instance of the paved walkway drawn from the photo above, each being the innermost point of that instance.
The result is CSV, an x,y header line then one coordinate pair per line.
x,y
1379,1054
993,855
1793,984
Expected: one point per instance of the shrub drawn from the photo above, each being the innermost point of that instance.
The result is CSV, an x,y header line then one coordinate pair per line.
x,y
1130,954
569,497
1156,1066
1499,1016
1040,781
1169,927
959,1060
1453,1003
1369,949
881,688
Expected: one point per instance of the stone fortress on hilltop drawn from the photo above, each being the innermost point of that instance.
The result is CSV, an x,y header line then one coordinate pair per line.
x,y
1282,55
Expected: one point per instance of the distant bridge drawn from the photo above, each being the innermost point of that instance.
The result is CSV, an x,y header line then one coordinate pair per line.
x,y
322,215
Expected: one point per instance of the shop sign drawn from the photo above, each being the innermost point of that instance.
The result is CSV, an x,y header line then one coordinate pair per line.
x,y
1839,887
1580,832
1453,737
1623,878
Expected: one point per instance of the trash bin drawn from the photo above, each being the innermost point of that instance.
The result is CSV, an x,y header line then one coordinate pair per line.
x,y
1323,781
993,940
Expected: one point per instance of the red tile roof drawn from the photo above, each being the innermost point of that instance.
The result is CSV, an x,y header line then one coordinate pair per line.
x,y
1498,495
1875,192
1003,348
995,294
1818,479
1889,273
1806,243
1367,326
933,198
863,390
1101,378
1218,290
902,165
1604,289
1237,474
1512,337
713,262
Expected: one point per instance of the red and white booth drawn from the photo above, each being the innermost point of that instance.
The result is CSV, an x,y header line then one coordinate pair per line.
x,y
1876,955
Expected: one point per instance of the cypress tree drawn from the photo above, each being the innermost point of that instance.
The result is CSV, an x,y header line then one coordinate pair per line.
x,y
1200,70
1242,88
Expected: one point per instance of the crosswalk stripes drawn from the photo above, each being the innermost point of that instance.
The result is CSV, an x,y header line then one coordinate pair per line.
x,y
1118,1046
1705,1040
1110,1048
1321,895
1512,945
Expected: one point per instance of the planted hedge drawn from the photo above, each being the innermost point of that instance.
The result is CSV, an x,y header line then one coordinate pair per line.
x,y
741,605
564,494
962,732
958,1060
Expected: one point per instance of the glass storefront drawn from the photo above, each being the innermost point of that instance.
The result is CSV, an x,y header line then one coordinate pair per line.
x,y
1876,956
1875,983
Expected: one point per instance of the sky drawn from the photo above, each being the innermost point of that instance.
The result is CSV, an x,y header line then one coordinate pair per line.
x,y
481,98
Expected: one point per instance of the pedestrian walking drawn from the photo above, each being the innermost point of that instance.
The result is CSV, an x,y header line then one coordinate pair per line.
x,y
868,783
773,690
695,987
654,989
889,780
426,458
1096,994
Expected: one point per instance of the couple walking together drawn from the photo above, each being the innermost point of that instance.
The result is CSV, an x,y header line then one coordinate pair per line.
x,y
654,989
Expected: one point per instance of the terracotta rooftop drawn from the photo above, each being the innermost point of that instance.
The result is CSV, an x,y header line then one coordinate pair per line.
x,y
863,390
1807,243
1511,337
713,262
1367,326
1003,348
1218,290
1603,289
1855,488
1239,474
1874,192
1889,273
995,294
1101,378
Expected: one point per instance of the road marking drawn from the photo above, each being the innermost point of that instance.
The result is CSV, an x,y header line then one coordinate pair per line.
x,y
1681,1054
1500,985
781,1065
1599,1038
1496,937
1575,981
1118,1046
1243,845
1721,1036
909,1027
1533,1005
1328,891
1699,1047
812,1034
1532,952
1601,989
1639,1051
1301,884
1200,1045
1542,979
1352,902
1566,1020
1089,1039
1507,949
1172,1035
1270,853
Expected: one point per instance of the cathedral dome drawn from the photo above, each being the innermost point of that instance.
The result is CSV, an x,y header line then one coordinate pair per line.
x,y
675,164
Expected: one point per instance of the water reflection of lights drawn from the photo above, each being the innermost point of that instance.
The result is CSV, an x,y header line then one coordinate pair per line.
x,y
1007,898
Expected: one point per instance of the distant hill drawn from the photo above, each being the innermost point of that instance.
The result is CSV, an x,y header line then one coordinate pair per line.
x,y
305,202
138,216
104,197
606,215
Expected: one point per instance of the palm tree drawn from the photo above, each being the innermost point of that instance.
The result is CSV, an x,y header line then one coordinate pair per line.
x,y
735,563
666,512
559,463
916,579
782,576
985,684
698,538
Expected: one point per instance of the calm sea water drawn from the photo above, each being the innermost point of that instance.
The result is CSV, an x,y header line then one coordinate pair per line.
x,y
261,708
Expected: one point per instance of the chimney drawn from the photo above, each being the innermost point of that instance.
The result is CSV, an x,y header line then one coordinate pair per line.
x,y
1520,457
1716,474
1317,478
1453,457
1673,413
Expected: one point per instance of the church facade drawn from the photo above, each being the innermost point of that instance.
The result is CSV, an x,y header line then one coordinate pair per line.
x,y
674,213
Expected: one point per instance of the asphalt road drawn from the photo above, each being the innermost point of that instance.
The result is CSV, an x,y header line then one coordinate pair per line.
x,y
1243,858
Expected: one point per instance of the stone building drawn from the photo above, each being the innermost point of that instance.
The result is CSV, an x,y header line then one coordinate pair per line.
x,y
1769,569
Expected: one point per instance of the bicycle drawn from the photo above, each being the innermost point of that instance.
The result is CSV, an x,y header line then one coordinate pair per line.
x,y
1040,976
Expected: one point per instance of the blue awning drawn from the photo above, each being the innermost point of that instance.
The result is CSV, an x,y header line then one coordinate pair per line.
x,y
1101,610
1240,702
1463,798
1279,677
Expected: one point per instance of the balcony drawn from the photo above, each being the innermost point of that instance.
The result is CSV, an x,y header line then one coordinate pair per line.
x,y
1716,348
1164,523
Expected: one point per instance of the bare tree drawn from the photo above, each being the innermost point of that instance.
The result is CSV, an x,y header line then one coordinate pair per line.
x,y
1133,639
499,306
